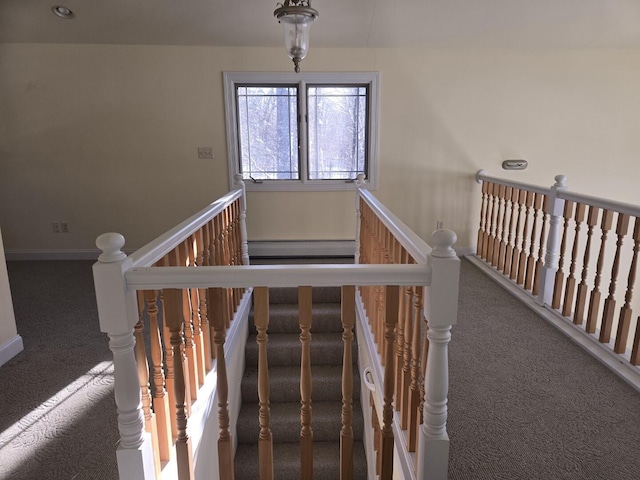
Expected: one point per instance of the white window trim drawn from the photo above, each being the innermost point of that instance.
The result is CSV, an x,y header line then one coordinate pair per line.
x,y
232,78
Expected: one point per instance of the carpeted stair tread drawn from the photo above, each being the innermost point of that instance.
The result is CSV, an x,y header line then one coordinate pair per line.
x,y
284,318
286,459
326,421
288,295
284,381
285,349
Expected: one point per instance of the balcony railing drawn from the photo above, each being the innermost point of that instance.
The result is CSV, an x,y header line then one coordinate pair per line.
x,y
576,254
193,287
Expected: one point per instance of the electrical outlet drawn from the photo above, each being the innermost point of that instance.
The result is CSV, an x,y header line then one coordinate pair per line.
x,y
64,227
439,224
56,227
205,152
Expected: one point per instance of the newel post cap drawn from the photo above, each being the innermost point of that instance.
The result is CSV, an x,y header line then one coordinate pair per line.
x,y
239,179
443,241
360,179
110,244
561,181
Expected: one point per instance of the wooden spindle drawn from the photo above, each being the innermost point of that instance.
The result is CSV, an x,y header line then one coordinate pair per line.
x,y
483,220
143,375
170,361
198,342
202,259
346,433
522,261
390,322
174,317
570,286
495,210
265,439
531,258
400,337
504,237
487,244
594,300
511,239
610,302
306,433
160,397
624,323
191,376
635,351
500,216
225,440
541,250
518,236
581,297
414,391
406,360
559,280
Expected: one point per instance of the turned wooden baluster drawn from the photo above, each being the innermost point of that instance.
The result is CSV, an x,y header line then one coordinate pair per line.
x,y
401,259
169,360
581,297
511,238
160,397
227,249
202,259
198,341
390,322
541,249
635,351
346,433
306,433
594,301
406,352
414,392
504,237
222,260
522,261
174,318
487,245
483,220
624,323
559,281
423,371
610,302
500,220
265,439
225,440
191,369
143,375
570,286
495,210
518,236
531,258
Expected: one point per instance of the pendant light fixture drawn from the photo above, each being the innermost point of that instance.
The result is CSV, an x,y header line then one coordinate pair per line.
x,y
297,17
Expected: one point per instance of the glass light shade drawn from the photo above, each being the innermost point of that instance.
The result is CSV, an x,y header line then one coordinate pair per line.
x,y
296,35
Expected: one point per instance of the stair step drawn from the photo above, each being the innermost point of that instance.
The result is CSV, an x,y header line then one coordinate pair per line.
x,y
283,318
285,349
280,295
286,459
284,381
326,422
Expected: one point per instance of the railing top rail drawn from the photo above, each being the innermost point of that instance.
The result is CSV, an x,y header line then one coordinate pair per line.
x,y
156,278
481,176
626,208
415,246
157,248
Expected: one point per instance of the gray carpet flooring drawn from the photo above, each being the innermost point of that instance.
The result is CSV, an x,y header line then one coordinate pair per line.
x,y
524,401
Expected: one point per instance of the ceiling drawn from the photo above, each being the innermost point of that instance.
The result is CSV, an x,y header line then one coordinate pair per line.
x,y
346,23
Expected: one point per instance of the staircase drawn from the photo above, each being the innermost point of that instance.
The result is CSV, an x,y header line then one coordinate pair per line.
x,y
284,377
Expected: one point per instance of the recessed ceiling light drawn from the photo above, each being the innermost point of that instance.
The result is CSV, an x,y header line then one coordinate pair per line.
x,y
62,12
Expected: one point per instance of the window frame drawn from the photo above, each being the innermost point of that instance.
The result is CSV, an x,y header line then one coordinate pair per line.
x,y
369,79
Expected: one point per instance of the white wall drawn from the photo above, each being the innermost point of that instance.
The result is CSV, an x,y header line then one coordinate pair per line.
x,y
106,137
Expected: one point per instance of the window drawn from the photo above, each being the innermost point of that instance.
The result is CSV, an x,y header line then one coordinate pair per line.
x,y
311,131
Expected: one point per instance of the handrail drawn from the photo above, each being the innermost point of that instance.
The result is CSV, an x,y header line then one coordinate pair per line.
x,y
416,247
481,176
156,278
626,208
163,244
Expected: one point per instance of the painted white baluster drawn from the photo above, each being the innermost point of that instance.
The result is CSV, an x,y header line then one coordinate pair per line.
x,y
117,311
441,311
555,211
244,246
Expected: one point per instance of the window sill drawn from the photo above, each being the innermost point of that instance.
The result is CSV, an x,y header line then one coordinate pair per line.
x,y
295,186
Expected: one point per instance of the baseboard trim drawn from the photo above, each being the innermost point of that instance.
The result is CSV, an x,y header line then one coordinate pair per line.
x,y
10,349
464,251
302,248
603,353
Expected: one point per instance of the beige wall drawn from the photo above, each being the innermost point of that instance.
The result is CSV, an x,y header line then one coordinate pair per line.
x,y
8,329
106,137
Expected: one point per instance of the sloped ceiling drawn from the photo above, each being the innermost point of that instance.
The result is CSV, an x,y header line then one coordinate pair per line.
x,y
346,23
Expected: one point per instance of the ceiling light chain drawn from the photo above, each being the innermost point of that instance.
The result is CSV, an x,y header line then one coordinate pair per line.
x,y
297,17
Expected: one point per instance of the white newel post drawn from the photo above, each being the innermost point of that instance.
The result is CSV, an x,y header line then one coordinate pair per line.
x,y
244,246
117,311
441,311
555,211
359,185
